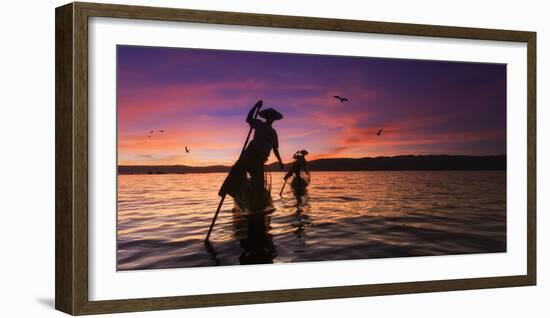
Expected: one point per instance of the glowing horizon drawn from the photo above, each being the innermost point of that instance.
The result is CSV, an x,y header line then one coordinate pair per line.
x,y
200,99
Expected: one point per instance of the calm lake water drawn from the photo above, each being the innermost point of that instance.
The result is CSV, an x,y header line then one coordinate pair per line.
x,y
163,219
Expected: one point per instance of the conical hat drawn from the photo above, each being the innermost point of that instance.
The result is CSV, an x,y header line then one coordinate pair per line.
x,y
270,113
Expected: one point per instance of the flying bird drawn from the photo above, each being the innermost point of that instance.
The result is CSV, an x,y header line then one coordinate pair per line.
x,y
341,99
379,132
187,149
148,136
161,131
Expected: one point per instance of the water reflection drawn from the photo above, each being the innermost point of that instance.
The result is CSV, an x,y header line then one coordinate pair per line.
x,y
163,219
213,254
252,231
301,222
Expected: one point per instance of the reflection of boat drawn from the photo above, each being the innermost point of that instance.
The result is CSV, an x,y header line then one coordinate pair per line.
x,y
242,200
251,227
252,231
299,183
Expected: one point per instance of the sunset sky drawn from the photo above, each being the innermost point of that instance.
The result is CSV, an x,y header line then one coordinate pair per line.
x,y
200,98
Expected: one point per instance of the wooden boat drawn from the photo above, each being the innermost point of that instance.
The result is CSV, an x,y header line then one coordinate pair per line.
x,y
242,201
300,183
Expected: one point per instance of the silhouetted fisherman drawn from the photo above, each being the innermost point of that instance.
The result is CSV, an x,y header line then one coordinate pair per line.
x,y
299,164
253,158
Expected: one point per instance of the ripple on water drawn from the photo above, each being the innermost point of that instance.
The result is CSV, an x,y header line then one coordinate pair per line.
x,y
163,219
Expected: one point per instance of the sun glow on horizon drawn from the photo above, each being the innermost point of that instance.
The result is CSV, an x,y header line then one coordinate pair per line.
x,y
188,106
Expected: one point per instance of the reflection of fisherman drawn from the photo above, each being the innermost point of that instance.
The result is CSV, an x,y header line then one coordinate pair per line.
x,y
257,152
298,165
257,245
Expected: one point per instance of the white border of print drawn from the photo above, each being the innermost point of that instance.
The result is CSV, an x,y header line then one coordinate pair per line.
x,y
106,283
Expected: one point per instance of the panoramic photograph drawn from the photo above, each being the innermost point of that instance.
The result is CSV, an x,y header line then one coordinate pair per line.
x,y
241,158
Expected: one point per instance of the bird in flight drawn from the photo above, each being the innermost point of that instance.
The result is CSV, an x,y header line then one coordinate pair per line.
x,y
161,131
187,149
379,132
341,99
152,131
148,136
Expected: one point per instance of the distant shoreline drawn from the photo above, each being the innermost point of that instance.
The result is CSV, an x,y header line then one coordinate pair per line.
x,y
396,163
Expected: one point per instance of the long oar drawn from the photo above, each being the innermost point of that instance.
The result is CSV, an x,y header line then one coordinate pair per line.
x,y
242,151
284,184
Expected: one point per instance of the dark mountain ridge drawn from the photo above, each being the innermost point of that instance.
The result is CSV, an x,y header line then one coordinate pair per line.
x,y
396,163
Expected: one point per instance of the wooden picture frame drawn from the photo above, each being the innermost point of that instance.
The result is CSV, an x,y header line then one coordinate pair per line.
x,y
71,268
